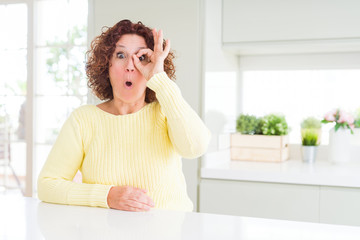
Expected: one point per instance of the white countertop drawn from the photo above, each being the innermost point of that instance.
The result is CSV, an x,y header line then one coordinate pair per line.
x,y
27,218
218,166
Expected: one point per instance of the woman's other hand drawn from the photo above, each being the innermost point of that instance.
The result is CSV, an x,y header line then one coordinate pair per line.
x,y
150,62
128,198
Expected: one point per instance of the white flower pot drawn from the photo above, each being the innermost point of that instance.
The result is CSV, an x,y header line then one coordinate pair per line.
x,y
340,145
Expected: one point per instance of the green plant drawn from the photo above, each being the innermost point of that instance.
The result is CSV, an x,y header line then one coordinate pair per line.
x,y
357,123
248,124
274,124
309,137
310,131
357,118
311,122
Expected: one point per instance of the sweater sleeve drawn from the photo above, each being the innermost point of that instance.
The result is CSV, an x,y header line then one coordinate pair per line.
x,y
55,183
188,134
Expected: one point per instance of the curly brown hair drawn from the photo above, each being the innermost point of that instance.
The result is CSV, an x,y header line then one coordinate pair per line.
x,y
101,50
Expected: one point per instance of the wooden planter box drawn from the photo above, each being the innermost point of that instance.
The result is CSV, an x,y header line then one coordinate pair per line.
x,y
259,147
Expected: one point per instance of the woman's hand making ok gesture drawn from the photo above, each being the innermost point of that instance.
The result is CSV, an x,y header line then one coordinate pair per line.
x,y
150,62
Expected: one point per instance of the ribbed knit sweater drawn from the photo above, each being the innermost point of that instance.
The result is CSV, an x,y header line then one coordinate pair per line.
x,y
141,149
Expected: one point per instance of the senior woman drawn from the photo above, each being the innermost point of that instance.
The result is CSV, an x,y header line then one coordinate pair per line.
x,y
129,147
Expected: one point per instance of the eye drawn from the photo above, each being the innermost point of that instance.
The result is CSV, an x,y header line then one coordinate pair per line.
x,y
142,58
120,55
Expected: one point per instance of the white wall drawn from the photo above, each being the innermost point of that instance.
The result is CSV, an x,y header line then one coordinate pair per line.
x,y
181,22
215,59
218,64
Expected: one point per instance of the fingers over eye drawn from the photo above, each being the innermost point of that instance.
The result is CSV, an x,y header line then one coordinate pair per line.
x,y
146,51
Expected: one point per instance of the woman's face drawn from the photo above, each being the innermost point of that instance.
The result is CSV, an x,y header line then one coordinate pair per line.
x,y
128,83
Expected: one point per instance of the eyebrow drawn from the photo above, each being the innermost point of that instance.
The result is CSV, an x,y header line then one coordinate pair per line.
x,y
122,46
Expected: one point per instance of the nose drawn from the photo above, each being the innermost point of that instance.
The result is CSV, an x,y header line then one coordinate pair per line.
x,y
130,65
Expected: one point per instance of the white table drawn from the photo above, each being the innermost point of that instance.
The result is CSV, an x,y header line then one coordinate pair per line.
x,y
28,218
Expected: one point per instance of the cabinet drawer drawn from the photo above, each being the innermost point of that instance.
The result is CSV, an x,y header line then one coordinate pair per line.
x,y
340,205
257,199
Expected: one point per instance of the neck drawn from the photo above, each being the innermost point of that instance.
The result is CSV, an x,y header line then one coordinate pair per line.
x,y
119,107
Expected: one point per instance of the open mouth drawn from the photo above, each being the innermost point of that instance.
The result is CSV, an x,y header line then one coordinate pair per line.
x,y
128,83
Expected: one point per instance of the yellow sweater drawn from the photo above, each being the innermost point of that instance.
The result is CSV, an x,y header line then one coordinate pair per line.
x,y
142,149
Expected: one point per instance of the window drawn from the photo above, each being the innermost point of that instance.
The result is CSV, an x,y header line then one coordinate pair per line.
x,y
60,71
299,94
59,81
13,83
297,86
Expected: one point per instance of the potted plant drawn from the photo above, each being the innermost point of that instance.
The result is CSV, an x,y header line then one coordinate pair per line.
x,y
248,124
310,138
342,120
260,139
340,136
274,124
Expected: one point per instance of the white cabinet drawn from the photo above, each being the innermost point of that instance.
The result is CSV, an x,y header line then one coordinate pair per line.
x,y
321,25
313,203
340,205
257,199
